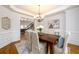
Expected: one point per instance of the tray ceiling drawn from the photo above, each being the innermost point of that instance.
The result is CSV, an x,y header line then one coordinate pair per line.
x,y
34,9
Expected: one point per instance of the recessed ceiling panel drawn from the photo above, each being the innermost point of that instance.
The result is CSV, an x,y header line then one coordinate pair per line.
x,y
34,9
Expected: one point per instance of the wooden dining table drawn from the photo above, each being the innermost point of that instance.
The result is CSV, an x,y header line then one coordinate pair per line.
x,y
50,39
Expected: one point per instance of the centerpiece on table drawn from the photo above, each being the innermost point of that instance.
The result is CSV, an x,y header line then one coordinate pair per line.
x,y
40,28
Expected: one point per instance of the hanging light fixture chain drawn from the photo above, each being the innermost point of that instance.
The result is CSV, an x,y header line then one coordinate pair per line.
x,y
39,18
39,10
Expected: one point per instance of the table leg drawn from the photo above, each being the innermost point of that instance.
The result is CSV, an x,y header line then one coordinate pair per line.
x,y
50,48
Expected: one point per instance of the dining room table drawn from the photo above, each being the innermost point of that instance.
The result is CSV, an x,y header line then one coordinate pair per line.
x,y
50,39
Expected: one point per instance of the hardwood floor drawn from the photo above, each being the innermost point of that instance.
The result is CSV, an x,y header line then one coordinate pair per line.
x,y
73,49
23,37
9,49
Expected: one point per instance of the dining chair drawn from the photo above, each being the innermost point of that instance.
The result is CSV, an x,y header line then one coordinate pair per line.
x,y
59,47
28,41
32,41
64,49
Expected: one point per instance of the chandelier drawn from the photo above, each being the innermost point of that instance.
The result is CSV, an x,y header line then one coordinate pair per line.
x,y
39,17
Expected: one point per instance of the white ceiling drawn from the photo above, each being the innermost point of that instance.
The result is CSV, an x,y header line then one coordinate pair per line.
x,y
34,9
